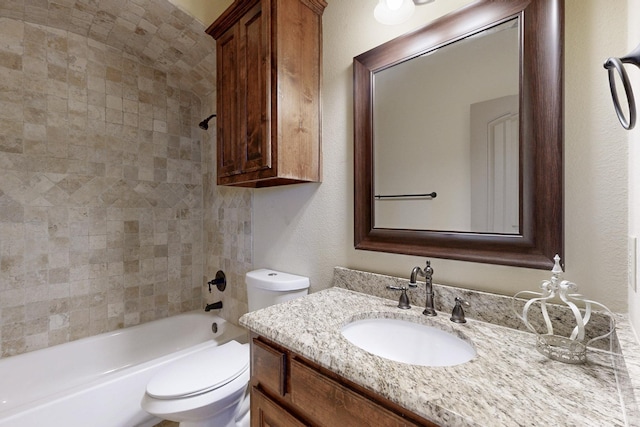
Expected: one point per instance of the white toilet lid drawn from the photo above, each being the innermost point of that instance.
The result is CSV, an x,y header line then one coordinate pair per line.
x,y
200,372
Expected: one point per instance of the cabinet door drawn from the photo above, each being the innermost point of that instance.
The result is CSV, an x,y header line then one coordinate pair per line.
x,y
255,81
329,403
268,367
269,65
267,413
228,138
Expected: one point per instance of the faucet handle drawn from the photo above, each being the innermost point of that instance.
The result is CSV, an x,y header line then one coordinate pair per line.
x,y
403,302
457,315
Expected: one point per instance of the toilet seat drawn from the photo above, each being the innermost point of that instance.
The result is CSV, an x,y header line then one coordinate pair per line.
x,y
197,374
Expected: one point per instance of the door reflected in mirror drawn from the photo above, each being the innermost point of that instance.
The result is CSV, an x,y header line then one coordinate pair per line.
x,y
447,122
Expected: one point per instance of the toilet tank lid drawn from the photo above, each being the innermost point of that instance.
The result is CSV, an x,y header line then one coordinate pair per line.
x,y
265,278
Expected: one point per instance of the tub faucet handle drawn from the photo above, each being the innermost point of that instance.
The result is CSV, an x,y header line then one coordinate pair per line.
x,y
220,281
403,302
457,315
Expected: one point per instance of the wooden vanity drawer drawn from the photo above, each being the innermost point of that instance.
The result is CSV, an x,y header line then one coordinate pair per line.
x,y
267,413
268,367
329,403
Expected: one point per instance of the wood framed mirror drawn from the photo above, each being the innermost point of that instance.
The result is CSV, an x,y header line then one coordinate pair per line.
x,y
539,231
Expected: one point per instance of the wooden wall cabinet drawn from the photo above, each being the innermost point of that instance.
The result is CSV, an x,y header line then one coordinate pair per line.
x,y
288,390
269,64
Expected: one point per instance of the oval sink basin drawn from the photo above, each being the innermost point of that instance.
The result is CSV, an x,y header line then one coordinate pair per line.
x,y
408,342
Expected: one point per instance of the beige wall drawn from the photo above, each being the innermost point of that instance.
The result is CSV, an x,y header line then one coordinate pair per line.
x,y
634,157
308,229
58,280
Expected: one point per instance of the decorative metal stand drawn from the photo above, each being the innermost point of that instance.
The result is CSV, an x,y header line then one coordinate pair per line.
x,y
571,349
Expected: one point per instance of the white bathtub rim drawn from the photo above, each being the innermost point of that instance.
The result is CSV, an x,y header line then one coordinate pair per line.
x,y
82,388
236,332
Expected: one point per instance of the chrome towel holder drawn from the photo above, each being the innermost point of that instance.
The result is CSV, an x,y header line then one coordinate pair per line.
x,y
616,64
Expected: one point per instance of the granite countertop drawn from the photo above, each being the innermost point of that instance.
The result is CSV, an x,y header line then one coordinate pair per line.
x,y
508,383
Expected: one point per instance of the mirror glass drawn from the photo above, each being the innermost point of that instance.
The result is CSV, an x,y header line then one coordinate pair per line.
x,y
467,113
446,153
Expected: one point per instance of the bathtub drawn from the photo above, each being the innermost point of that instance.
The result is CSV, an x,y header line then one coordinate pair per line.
x,y
99,381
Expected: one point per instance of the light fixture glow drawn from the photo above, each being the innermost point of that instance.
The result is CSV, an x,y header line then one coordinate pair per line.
x,y
392,12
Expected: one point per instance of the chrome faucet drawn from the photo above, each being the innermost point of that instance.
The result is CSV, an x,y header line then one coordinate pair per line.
x,y
427,273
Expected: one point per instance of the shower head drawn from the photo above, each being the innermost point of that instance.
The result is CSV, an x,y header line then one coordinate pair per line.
x,y
205,123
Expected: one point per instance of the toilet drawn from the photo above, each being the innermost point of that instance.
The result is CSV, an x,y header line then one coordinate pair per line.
x,y
209,388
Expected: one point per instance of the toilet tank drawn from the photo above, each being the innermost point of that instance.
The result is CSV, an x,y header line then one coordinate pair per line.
x,y
267,287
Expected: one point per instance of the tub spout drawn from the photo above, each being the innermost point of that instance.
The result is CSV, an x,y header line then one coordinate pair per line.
x,y
214,306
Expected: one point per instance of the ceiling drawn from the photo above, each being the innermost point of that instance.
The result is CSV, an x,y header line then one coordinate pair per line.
x,y
205,11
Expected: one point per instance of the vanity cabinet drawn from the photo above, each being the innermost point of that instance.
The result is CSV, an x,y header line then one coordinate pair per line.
x,y
268,55
289,390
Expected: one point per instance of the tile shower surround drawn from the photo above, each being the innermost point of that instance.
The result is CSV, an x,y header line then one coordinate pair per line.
x,y
107,215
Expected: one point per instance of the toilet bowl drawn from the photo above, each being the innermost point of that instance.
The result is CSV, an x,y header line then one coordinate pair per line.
x,y
205,389
210,387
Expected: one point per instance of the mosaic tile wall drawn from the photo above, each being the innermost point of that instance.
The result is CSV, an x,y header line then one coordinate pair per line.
x,y
228,247
155,32
101,195
228,234
109,212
